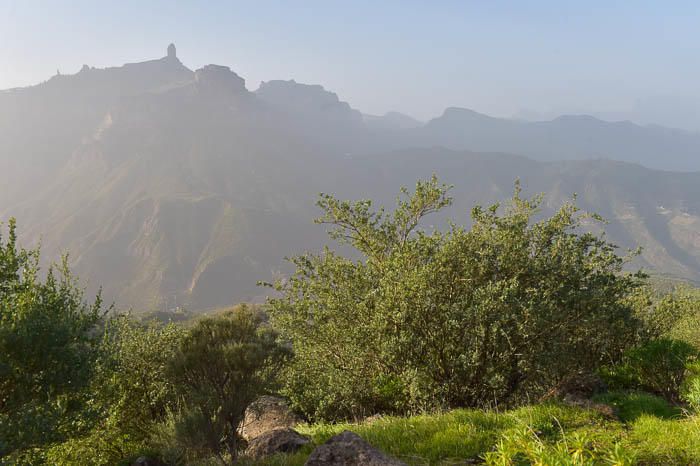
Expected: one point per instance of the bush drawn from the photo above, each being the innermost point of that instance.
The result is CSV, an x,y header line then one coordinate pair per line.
x,y
506,311
658,366
223,365
49,341
670,314
686,327
133,386
690,389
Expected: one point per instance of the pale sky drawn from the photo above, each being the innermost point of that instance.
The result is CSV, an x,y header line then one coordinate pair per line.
x,y
417,57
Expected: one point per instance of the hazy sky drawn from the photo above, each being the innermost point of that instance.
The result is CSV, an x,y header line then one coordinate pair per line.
x,y
412,56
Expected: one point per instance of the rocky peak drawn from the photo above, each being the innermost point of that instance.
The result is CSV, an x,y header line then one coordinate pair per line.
x,y
307,99
217,78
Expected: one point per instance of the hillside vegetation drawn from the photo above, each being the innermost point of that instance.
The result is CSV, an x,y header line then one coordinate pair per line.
x,y
518,340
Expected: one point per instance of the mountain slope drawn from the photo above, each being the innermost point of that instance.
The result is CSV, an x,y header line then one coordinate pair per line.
x,y
172,186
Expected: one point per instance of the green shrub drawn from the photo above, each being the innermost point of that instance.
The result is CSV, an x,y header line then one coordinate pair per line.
x,y
129,395
101,447
49,342
658,366
690,389
682,306
223,364
500,313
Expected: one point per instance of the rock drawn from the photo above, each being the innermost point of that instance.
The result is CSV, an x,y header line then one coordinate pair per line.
x,y
605,410
283,440
146,461
349,449
265,414
219,80
372,419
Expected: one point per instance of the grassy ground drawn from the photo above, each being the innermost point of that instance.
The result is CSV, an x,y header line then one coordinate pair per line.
x,y
648,431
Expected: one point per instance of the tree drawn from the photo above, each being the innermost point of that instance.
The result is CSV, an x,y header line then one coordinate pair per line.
x,y
48,343
223,365
505,311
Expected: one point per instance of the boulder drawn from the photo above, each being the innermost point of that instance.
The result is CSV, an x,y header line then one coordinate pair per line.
x,y
284,440
349,449
265,414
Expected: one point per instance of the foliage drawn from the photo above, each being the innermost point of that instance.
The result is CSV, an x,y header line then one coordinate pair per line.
x,y
658,366
130,393
671,314
499,313
49,339
686,326
102,446
690,389
134,382
223,364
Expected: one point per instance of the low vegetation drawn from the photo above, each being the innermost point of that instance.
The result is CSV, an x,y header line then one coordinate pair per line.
x,y
509,310
521,340
545,434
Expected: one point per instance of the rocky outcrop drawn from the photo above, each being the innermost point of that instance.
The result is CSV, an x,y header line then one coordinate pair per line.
x,y
349,449
265,414
219,81
284,440
308,101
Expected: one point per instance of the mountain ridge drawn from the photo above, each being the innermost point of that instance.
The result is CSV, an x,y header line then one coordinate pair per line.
x,y
191,188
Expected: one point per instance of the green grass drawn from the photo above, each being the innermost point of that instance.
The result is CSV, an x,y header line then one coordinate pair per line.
x,y
632,405
459,435
664,441
649,431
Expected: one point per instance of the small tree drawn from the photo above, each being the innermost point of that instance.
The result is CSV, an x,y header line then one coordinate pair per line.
x,y
500,313
223,365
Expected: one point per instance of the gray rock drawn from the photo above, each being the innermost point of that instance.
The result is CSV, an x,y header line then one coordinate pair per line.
x,y
349,449
265,414
284,440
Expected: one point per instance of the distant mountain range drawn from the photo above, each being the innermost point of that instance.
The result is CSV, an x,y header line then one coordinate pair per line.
x,y
170,186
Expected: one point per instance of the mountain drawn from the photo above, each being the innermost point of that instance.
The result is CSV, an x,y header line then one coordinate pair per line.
x,y
41,126
169,186
672,111
391,121
658,210
568,137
